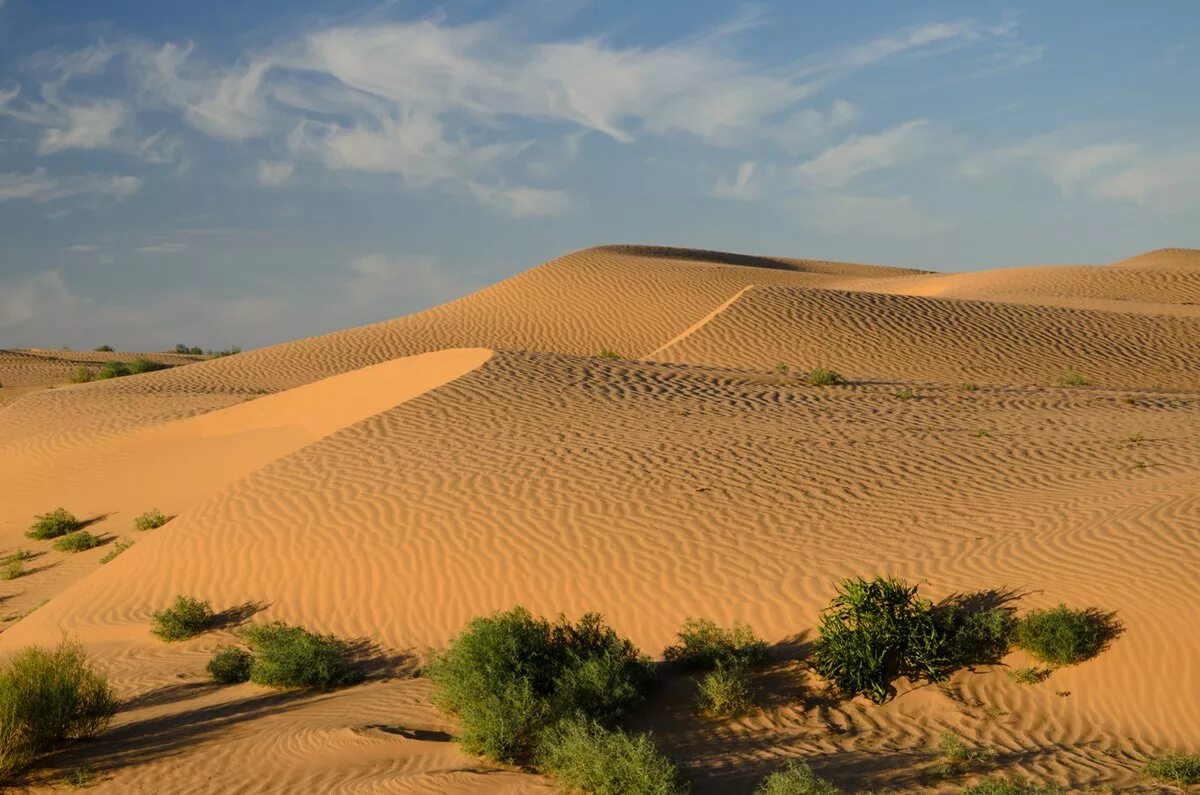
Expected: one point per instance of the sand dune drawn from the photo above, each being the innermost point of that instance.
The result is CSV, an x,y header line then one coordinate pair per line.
x,y
391,489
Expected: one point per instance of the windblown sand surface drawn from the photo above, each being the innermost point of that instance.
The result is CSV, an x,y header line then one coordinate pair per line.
x,y
390,482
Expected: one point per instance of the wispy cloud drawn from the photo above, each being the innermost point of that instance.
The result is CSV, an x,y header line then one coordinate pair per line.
x,y
275,173
379,279
44,295
163,247
39,186
862,154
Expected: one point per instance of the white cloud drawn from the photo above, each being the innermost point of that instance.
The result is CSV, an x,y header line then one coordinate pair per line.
x,y
860,154
275,173
522,201
163,247
81,248
39,186
44,297
745,186
92,126
868,216
381,279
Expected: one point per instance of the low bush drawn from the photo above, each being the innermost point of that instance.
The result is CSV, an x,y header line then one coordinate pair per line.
x,y
904,394
184,349
114,369
104,349
78,541
702,644
1071,378
1182,770
81,375
1063,636
968,387
230,351
510,675
186,618
11,570
230,665
725,691
607,354
796,779
1013,785
286,656
150,520
116,550
819,376
143,365
584,756
49,696
57,523
955,756
980,636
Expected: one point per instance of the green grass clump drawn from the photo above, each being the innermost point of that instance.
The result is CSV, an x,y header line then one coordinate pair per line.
x,y
725,691
78,541
184,349
703,644
1063,636
1014,785
116,550
286,656
782,368
968,387
585,756
114,369
186,618
104,349
955,756
150,520
903,394
81,375
143,365
796,779
11,570
57,523
230,665
607,354
49,696
819,376
510,675
1069,377
1182,770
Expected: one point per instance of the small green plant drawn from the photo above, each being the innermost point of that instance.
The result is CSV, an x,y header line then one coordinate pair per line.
x,y
725,691
968,387
703,644
104,348
1182,770
607,354
1014,785
981,433
230,351
286,656
1063,636
796,779
1139,465
1137,438
114,369
230,665
49,696
116,550
78,541
81,375
1029,675
782,368
819,376
585,756
184,349
78,778
1069,377
17,556
57,523
11,570
143,365
903,394
184,619
955,756
150,520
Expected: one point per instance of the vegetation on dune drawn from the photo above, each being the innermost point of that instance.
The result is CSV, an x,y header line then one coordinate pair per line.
x,y
904,394
184,619
230,665
193,350
1182,770
11,570
81,375
703,644
819,376
116,550
585,756
78,541
143,365
56,523
955,756
286,656
1029,676
1069,377
607,354
796,779
725,691
1014,785
47,697
1064,636
104,349
150,520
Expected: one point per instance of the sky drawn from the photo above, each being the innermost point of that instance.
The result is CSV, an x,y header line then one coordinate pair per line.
x,y
242,173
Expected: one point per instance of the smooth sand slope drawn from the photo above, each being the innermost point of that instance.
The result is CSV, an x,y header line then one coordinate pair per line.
x,y
397,500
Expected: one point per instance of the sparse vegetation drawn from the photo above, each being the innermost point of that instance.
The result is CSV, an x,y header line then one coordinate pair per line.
x,y
287,656
49,696
585,756
782,368
1014,785
703,644
607,354
78,541
78,778
230,665
955,756
796,779
1029,675
184,619
819,376
230,351
184,349
1069,377
150,520
104,348
1182,770
11,570
968,387
1063,636
57,523
510,675
143,365
81,375
116,550
113,369
725,690
903,394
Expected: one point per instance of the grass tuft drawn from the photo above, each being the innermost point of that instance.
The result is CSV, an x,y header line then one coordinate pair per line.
x,y
287,656
81,375
1064,636
78,541
151,519
57,523
796,779
1182,770
725,691
1013,785
956,756
819,376
607,354
585,756
903,394
230,665
186,618
1069,377
702,644
116,550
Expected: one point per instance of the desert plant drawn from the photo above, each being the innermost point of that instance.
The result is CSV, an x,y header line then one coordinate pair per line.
x,y
725,690
903,394
980,636
11,570
585,756
143,365
184,619
1063,636
57,523
104,348
81,375
48,696
819,376
114,369
230,351
796,779
607,354
1069,377
702,644
116,550
1013,785
230,665
782,368
1182,770
1028,675
955,756
150,520
287,656
968,387
17,556
78,541
510,675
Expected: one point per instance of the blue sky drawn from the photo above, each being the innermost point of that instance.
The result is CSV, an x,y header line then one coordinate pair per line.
x,y
248,172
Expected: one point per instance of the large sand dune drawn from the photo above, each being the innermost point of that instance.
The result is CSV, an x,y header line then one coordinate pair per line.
x,y
402,477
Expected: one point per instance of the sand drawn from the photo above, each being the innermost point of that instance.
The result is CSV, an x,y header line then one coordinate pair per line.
x,y
390,482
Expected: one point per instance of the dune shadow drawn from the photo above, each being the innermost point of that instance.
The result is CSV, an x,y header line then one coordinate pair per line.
x,y
699,255
238,614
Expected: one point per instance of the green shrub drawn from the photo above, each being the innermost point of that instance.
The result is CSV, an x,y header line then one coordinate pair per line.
x,y
104,348
230,351
1182,770
116,550
1014,785
782,368
956,756
81,375
185,619
819,376
607,354
287,657
903,394
1069,377
77,541
17,556
968,387
510,675
702,644
143,365
1029,676
48,696
114,370
11,570
725,691
1063,636
584,756
150,520
230,665
796,779
981,636
57,523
